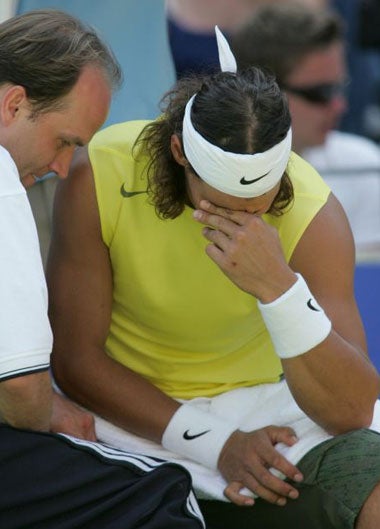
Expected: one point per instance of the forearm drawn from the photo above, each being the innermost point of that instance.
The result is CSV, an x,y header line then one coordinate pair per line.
x,y
116,393
335,384
26,402
330,377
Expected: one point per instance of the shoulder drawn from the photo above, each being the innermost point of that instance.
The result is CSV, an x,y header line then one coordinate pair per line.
x,y
114,162
118,138
305,178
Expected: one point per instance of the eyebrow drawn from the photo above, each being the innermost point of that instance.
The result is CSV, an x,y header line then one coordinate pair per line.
x,y
78,141
72,140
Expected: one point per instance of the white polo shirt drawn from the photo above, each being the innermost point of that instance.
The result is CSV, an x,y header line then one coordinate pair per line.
x,y
25,333
350,165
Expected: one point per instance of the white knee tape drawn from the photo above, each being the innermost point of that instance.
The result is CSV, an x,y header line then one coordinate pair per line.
x,y
295,321
196,434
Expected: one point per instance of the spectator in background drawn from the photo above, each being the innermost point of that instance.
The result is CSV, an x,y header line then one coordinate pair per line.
x,y
362,18
310,67
191,29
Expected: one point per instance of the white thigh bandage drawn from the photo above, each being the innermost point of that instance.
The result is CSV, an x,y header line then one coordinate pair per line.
x,y
295,321
196,434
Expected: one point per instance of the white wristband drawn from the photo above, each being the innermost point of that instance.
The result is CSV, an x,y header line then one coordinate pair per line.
x,y
295,321
196,434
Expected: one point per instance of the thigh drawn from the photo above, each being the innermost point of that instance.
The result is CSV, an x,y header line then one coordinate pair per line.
x,y
347,469
339,475
53,482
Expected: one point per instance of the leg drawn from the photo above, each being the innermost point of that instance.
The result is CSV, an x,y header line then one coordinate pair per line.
x,y
52,481
341,489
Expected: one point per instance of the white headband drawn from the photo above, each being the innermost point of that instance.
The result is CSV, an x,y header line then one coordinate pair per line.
x,y
240,175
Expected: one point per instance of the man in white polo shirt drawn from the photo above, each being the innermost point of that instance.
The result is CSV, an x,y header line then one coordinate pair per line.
x,y
56,81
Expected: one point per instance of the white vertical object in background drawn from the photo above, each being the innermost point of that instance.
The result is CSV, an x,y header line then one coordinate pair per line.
x,y
7,9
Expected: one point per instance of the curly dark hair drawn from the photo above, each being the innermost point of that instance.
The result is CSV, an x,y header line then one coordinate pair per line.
x,y
243,113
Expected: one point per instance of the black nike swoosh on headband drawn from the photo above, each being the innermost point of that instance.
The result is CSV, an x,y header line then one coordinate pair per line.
x,y
245,182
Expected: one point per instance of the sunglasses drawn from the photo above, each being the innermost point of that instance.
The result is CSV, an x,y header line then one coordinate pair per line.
x,y
320,94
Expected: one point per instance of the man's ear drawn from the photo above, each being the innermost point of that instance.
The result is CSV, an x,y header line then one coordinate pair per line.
x,y
13,98
177,151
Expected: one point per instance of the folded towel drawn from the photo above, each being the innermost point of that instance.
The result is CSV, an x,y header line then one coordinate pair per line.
x,y
250,408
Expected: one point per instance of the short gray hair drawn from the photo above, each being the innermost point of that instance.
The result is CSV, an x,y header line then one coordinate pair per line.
x,y
46,50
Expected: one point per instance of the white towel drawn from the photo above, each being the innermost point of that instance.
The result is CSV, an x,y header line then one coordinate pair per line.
x,y
251,408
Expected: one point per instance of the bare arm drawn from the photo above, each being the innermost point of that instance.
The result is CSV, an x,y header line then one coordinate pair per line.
x,y
30,402
69,418
26,401
334,383
340,382
79,277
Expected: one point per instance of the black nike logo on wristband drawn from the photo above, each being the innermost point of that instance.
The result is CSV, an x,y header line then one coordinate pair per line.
x,y
311,306
189,437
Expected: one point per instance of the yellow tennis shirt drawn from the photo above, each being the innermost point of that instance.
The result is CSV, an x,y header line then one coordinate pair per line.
x,y
176,318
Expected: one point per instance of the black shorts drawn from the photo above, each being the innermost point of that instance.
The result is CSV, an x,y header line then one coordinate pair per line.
x,y
51,481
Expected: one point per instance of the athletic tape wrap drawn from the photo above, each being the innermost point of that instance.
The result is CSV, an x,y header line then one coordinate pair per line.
x,y
295,321
196,434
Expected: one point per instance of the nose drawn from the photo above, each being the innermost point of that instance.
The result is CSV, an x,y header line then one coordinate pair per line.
x,y
61,163
251,208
